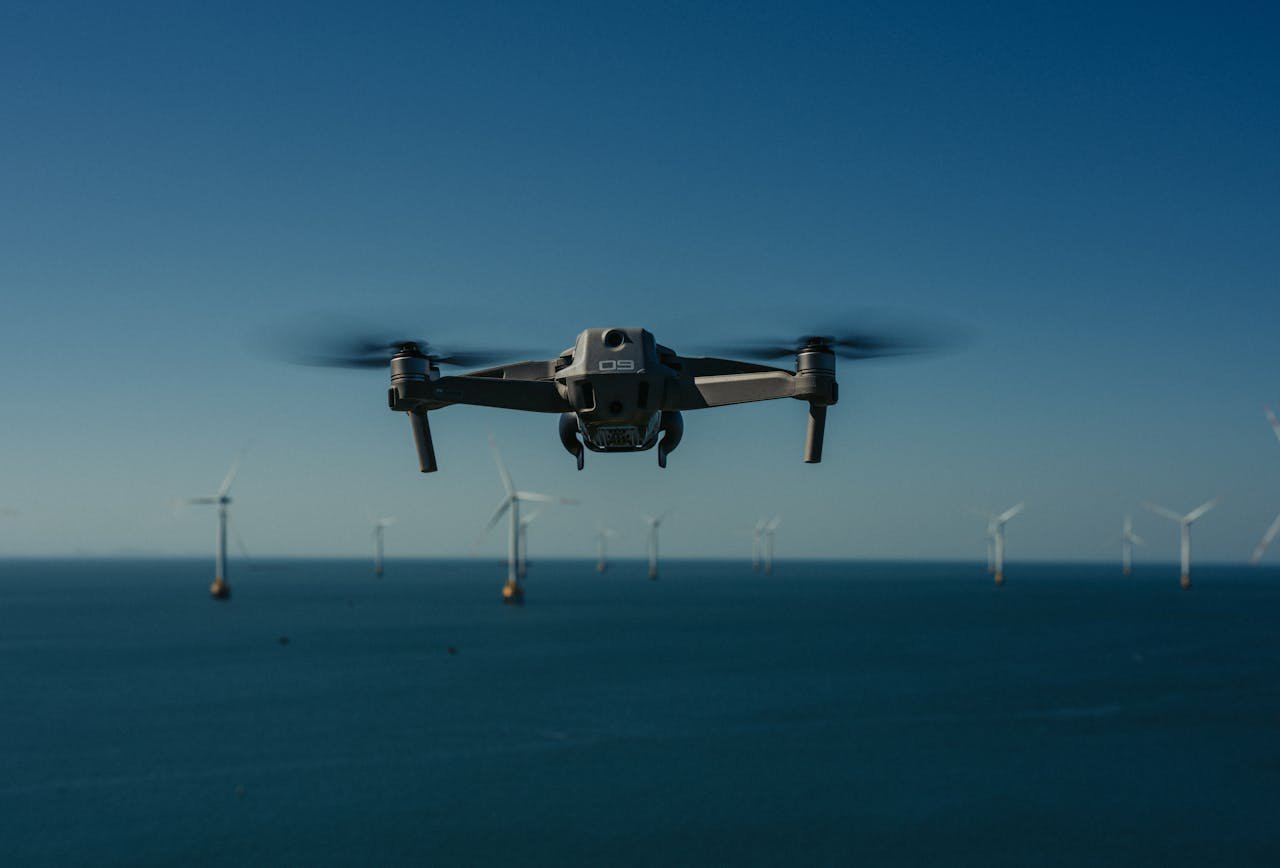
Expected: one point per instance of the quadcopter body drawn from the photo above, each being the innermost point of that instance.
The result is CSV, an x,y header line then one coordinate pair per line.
x,y
615,390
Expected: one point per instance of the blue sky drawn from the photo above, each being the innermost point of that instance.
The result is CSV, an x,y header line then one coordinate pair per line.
x,y
1091,191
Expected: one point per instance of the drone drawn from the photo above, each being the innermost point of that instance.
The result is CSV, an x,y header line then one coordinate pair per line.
x,y
615,390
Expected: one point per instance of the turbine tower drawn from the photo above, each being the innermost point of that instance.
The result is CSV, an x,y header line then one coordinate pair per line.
x,y
602,535
510,504
766,534
220,590
1184,523
1128,540
996,530
654,524
379,524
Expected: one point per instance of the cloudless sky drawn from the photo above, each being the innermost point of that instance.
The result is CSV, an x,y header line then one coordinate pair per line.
x,y
1090,191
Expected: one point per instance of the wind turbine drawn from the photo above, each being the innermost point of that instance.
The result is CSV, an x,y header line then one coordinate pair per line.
x,y
510,504
602,535
379,524
1184,523
1275,525
220,590
654,524
1128,540
996,531
766,534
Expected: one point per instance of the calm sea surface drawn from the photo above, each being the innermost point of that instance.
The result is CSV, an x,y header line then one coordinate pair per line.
x,y
832,714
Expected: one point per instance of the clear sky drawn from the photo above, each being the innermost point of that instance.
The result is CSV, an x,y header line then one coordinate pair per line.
x,y
1092,190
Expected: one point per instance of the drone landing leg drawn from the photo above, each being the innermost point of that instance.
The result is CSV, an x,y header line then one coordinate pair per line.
x,y
817,430
569,437
422,441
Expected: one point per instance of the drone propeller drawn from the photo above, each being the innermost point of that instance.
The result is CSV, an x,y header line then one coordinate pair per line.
x,y
850,342
339,344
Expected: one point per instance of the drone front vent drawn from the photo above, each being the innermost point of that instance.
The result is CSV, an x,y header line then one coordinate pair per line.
x,y
618,437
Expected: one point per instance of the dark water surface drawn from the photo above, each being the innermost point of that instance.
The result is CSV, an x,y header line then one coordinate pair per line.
x,y
833,714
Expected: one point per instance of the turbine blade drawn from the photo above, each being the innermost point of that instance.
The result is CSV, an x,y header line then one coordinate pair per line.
x,y
773,524
1275,423
530,496
502,510
502,467
231,474
1201,510
1160,510
1136,540
1266,540
1010,513
235,532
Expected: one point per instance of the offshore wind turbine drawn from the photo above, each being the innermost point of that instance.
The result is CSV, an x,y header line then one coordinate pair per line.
x,y
1184,525
510,505
379,524
996,531
602,536
220,589
766,534
1128,540
654,524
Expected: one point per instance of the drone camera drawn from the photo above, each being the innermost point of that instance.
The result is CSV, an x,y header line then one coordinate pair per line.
x,y
614,338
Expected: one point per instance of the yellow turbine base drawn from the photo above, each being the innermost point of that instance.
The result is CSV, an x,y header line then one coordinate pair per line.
x,y
220,590
999,579
513,594
1185,581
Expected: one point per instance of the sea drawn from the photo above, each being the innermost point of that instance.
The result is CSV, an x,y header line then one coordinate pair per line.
x,y
832,713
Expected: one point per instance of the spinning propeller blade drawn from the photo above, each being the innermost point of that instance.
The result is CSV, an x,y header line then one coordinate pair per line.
x,y
339,342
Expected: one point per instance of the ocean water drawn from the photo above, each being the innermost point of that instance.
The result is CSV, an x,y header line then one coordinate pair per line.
x,y
830,714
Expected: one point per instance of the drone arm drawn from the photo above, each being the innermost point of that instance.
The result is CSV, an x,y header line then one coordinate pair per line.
x,y
723,389
533,370
537,396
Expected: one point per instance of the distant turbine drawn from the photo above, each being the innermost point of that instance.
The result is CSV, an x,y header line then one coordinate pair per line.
x,y
512,592
654,524
1275,525
220,590
379,524
602,535
766,534
1128,540
1184,523
996,531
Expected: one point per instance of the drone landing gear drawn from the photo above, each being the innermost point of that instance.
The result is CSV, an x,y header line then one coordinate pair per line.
x,y
569,437
422,441
672,430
